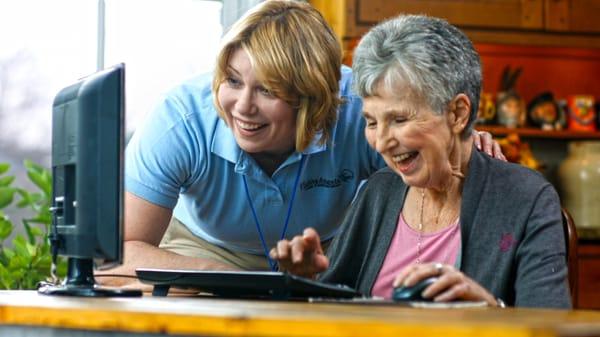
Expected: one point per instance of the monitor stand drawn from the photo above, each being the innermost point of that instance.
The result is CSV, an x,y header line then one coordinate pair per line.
x,y
80,282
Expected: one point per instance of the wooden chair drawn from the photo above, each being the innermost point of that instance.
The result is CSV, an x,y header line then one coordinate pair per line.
x,y
571,247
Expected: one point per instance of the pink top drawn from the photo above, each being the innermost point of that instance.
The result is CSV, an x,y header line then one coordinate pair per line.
x,y
441,247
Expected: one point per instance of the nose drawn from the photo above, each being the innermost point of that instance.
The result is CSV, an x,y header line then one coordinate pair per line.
x,y
383,138
244,104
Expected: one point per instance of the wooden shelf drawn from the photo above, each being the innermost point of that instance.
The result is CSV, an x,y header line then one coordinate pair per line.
x,y
537,133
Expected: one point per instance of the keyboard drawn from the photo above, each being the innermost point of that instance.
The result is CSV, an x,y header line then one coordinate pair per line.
x,y
244,284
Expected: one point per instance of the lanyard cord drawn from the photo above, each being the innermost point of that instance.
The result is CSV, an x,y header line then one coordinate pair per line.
x,y
272,264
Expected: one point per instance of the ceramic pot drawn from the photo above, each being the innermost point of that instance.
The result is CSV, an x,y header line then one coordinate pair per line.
x,y
579,176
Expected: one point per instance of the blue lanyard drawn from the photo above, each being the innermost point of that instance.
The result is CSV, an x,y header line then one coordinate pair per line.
x,y
272,264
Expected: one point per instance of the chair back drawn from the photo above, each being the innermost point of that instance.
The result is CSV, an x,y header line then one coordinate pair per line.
x,y
571,246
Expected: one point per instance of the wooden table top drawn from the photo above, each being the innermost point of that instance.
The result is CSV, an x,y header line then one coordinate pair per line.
x,y
221,317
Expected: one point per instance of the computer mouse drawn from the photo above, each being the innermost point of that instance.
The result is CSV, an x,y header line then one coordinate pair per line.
x,y
413,293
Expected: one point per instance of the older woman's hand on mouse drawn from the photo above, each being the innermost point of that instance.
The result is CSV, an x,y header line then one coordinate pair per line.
x,y
451,285
303,255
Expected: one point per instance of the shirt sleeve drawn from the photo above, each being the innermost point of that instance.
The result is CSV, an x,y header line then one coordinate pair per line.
x,y
162,154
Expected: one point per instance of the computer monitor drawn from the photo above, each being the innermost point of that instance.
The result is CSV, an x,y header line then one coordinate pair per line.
x,y
87,187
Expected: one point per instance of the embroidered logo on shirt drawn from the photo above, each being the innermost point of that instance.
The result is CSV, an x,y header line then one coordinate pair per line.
x,y
345,175
506,242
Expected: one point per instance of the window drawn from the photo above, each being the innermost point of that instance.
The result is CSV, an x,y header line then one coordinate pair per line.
x,y
47,45
162,43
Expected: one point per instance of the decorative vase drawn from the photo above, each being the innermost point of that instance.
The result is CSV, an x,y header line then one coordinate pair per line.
x,y
579,176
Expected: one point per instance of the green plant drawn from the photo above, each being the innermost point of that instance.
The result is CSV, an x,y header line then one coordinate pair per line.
x,y
27,260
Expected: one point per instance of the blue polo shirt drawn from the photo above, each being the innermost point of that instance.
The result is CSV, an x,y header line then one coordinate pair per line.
x,y
184,157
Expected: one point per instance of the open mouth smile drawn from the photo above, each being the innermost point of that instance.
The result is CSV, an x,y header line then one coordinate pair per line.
x,y
248,126
405,162
404,158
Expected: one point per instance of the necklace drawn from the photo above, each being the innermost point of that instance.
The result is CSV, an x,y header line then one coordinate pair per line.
x,y
272,264
420,238
420,227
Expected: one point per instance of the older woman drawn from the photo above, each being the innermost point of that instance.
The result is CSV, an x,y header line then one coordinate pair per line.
x,y
489,229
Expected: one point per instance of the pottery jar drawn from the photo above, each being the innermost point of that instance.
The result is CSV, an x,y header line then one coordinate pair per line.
x,y
579,176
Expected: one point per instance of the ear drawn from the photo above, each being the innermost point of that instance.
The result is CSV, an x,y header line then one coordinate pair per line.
x,y
459,112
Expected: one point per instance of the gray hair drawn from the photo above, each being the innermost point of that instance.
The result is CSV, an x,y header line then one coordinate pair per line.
x,y
430,56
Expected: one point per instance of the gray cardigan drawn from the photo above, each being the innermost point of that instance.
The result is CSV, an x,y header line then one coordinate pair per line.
x,y
512,240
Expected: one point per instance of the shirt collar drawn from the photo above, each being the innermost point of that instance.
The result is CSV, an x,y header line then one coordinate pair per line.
x,y
223,143
314,146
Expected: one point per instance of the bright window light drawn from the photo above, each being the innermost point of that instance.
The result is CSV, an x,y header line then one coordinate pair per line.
x,y
46,45
162,43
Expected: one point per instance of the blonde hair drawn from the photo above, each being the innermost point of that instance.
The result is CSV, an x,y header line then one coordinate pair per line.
x,y
296,56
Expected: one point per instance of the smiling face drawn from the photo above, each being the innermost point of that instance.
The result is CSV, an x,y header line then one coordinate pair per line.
x,y
414,141
261,123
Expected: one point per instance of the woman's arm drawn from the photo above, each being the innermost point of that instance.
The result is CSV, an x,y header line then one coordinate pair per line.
x,y
145,225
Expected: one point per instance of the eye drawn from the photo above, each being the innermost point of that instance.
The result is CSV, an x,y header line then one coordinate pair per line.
x,y
266,92
370,124
399,120
233,82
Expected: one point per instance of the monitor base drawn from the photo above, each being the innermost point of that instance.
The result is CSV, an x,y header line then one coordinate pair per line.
x,y
80,282
95,291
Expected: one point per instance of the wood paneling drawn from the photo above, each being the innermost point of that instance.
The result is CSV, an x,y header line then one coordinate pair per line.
x,y
534,38
497,14
555,23
576,16
556,15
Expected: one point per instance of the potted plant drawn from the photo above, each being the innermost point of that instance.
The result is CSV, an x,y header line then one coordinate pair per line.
x,y
26,259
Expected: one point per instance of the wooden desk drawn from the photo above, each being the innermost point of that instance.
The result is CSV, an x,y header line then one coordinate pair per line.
x,y
219,317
